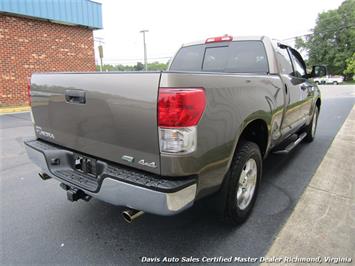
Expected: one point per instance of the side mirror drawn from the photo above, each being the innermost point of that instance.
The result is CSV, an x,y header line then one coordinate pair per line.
x,y
318,71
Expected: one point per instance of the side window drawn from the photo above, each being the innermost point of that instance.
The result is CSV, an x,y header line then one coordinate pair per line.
x,y
299,69
284,61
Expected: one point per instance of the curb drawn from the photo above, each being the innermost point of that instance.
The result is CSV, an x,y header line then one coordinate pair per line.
x,y
5,110
321,227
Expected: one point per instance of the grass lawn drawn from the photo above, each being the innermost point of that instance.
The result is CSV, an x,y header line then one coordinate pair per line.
x,y
349,82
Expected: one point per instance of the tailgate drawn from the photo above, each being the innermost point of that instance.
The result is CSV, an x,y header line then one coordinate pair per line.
x,y
112,116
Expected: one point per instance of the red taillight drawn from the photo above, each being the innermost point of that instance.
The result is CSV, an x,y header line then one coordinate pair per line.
x,y
180,107
29,91
225,38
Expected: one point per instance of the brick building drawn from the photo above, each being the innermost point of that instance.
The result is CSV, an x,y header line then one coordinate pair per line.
x,y
44,36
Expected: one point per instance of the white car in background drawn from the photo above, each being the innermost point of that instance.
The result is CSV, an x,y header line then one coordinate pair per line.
x,y
328,79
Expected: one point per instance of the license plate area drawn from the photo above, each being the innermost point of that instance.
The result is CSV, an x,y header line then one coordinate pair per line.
x,y
85,165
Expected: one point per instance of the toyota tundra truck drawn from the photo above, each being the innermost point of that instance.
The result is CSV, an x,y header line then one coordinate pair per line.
x,y
157,142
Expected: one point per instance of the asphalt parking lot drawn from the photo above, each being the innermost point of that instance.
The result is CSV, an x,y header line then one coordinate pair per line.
x,y
39,226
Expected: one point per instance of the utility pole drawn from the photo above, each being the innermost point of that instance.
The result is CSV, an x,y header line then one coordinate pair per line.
x,y
101,49
145,50
101,54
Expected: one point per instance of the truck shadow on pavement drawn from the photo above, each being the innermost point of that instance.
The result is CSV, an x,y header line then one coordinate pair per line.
x,y
197,231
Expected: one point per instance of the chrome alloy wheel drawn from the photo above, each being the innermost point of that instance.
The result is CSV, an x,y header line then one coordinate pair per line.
x,y
314,122
247,184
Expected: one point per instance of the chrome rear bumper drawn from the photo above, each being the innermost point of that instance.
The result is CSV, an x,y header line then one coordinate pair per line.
x,y
115,191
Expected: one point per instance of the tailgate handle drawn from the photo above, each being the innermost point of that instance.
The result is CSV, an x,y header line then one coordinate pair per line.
x,y
75,96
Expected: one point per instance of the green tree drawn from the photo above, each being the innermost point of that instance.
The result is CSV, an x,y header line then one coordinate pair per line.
x,y
108,67
350,65
156,66
138,67
332,41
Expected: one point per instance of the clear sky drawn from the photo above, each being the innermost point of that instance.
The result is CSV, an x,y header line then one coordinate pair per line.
x,y
173,22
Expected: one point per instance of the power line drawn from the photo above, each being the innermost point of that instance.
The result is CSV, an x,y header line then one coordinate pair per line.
x,y
325,31
294,37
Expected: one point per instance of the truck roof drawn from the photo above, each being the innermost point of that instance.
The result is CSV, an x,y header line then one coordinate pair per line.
x,y
235,38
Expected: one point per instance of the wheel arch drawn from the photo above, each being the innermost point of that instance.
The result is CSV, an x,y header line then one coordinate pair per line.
x,y
257,131
318,103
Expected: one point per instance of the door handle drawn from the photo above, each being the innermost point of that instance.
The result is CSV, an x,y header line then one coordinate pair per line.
x,y
75,96
309,88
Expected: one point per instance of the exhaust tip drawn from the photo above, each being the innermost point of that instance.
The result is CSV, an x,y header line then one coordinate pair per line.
x,y
130,215
126,217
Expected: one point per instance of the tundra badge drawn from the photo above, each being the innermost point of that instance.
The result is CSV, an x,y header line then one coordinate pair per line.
x,y
43,133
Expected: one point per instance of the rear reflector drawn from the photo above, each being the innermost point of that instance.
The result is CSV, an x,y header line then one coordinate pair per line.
x,y
180,107
225,38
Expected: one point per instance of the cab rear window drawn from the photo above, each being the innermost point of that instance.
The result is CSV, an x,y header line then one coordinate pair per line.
x,y
234,57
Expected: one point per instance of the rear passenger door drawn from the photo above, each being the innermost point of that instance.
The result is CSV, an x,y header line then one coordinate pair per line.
x,y
294,115
306,89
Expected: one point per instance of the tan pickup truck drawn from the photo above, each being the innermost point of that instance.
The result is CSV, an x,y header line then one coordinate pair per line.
x,y
158,141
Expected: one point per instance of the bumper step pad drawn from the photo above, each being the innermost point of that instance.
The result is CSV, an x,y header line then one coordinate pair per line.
x,y
65,171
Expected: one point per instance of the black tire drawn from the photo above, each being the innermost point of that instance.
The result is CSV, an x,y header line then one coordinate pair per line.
x,y
335,83
232,213
310,134
317,82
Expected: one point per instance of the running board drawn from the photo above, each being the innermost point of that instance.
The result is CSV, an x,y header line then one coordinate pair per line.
x,y
292,145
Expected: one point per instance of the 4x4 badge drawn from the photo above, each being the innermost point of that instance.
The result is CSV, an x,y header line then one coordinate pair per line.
x,y
152,164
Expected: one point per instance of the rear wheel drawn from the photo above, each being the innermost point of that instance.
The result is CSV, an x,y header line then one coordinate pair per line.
x,y
242,183
312,127
335,82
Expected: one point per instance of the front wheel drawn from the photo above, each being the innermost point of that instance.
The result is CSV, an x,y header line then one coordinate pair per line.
x,y
335,83
312,127
242,183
